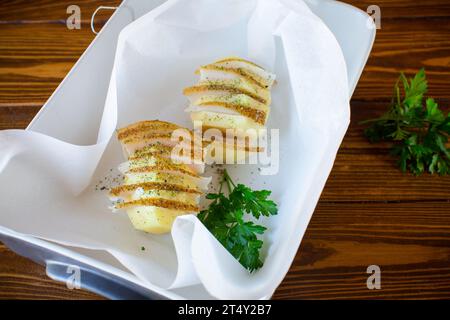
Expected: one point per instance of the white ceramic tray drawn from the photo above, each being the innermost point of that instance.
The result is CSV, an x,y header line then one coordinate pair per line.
x,y
71,111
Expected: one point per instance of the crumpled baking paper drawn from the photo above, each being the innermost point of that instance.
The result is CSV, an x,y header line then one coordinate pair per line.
x,y
47,186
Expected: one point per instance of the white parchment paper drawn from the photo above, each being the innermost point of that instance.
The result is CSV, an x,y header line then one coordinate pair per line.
x,y
47,186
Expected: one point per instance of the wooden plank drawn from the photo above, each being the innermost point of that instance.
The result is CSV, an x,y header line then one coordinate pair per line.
x,y
17,117
35,58
410,242
374,177
21,278
401,45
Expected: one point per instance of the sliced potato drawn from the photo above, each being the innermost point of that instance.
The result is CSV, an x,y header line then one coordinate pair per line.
x,y
190,158
233,94
157,185
224,121
232,99
222,153
155,162
217,72
181,180
258,72
237,86
153,219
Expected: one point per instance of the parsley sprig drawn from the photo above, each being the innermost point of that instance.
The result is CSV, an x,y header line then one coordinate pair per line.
x,y
225,219
419,131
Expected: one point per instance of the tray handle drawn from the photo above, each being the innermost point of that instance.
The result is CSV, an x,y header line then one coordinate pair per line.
x,y
96,11
76,277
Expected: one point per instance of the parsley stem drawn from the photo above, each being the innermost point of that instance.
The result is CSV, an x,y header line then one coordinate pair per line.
x,y
228,180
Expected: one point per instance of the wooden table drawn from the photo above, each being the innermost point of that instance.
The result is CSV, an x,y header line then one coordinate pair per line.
x,y
369,213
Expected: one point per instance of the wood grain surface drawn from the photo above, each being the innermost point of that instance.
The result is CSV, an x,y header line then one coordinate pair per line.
x,y
369,212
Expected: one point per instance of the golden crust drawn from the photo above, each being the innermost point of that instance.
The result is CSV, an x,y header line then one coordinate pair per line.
x,y
163,162
151,186
146,136
258,116
232,144
158,202
250,77
229,59
162,167
221,87
144,126
143,153
156,149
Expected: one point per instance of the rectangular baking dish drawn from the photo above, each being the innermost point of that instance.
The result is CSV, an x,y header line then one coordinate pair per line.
x,y
101,273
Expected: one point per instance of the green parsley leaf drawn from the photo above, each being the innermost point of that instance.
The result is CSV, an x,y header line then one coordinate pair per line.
x,y
224,218
415,89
